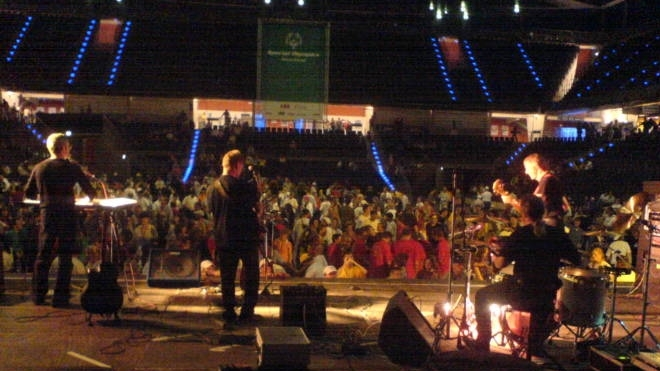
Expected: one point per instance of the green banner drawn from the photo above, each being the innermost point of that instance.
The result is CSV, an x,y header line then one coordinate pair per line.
x,y
293,61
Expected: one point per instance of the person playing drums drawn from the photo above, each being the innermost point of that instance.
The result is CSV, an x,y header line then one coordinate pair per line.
x,y
538,250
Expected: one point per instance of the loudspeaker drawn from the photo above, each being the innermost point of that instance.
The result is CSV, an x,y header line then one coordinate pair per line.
x,y
406,337
174,268
304,306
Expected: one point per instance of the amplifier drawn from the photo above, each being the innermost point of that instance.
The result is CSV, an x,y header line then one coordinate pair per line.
x,y
608,358
304,306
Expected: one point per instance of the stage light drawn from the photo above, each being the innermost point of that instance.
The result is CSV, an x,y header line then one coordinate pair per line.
x,y
431,5
301,2
516,7
438,14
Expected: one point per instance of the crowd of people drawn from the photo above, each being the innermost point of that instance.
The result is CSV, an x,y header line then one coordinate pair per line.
x,y
304,228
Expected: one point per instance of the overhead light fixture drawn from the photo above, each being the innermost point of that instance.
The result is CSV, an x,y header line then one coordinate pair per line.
x,y
267,2
301,2
516,7
431,5
438,14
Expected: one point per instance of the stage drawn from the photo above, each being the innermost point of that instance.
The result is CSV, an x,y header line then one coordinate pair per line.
x,y
181,329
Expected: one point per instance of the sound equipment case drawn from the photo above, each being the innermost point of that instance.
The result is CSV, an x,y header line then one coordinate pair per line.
x,y
282,348
304,306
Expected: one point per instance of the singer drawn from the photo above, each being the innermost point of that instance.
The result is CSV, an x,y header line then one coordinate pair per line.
x,y
52,181
234,201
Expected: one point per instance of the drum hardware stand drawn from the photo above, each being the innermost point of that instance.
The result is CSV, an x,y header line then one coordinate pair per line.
x,y
643,328
611,318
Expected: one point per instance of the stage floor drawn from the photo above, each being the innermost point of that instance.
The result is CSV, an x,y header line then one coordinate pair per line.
x,y
181,329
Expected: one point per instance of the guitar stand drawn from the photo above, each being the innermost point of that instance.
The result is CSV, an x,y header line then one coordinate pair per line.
x,y
464,328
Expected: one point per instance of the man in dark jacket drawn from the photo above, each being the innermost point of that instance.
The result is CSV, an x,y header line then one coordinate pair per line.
x,y
234,201
52,182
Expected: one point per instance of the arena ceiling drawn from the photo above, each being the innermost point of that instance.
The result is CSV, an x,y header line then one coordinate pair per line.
x,y
583,15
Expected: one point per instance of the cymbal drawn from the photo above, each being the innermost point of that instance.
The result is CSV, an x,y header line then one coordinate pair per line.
x,y
630,212
497,220
635,204
476,243
471,219
597,232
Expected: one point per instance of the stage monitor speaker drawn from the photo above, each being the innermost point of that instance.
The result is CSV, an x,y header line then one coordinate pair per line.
x,y
406,337
304,306
174,268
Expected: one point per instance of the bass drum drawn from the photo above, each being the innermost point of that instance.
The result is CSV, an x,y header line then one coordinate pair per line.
x,y
581,298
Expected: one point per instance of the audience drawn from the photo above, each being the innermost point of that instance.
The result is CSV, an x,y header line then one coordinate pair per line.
x,y
340,231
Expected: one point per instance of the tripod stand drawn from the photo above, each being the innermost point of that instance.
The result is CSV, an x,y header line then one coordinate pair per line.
x,y
267,252
643,329
611,318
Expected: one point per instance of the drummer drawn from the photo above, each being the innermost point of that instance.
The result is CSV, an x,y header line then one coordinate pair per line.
x,y
538,250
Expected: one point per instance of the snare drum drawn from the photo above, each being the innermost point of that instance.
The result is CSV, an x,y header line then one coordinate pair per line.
x,y
581,299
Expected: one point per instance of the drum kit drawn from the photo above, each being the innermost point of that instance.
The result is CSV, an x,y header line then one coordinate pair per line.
x,y
581,300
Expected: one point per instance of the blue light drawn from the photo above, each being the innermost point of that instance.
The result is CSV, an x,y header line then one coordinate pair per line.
x,y
530,65
475,67
19,39
191,160
118,54
443,70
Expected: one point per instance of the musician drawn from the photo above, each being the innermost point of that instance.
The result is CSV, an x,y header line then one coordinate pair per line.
x,y
53,181
234,201
538,250
548,188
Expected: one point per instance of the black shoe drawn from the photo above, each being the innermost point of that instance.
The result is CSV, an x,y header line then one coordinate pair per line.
x,y
39,300
229,316
61,304
246,315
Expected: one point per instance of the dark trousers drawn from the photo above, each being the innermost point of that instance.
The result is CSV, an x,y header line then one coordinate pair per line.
x,y
539,302
56,239
228,257
2,273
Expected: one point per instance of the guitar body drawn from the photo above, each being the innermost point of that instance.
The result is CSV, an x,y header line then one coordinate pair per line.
x,y
103,295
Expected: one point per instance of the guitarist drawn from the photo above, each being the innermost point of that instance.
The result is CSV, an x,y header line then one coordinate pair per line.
x,y
52,181
548,189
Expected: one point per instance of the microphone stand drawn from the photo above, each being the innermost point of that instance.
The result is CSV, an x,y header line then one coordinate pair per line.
x,y
446,310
